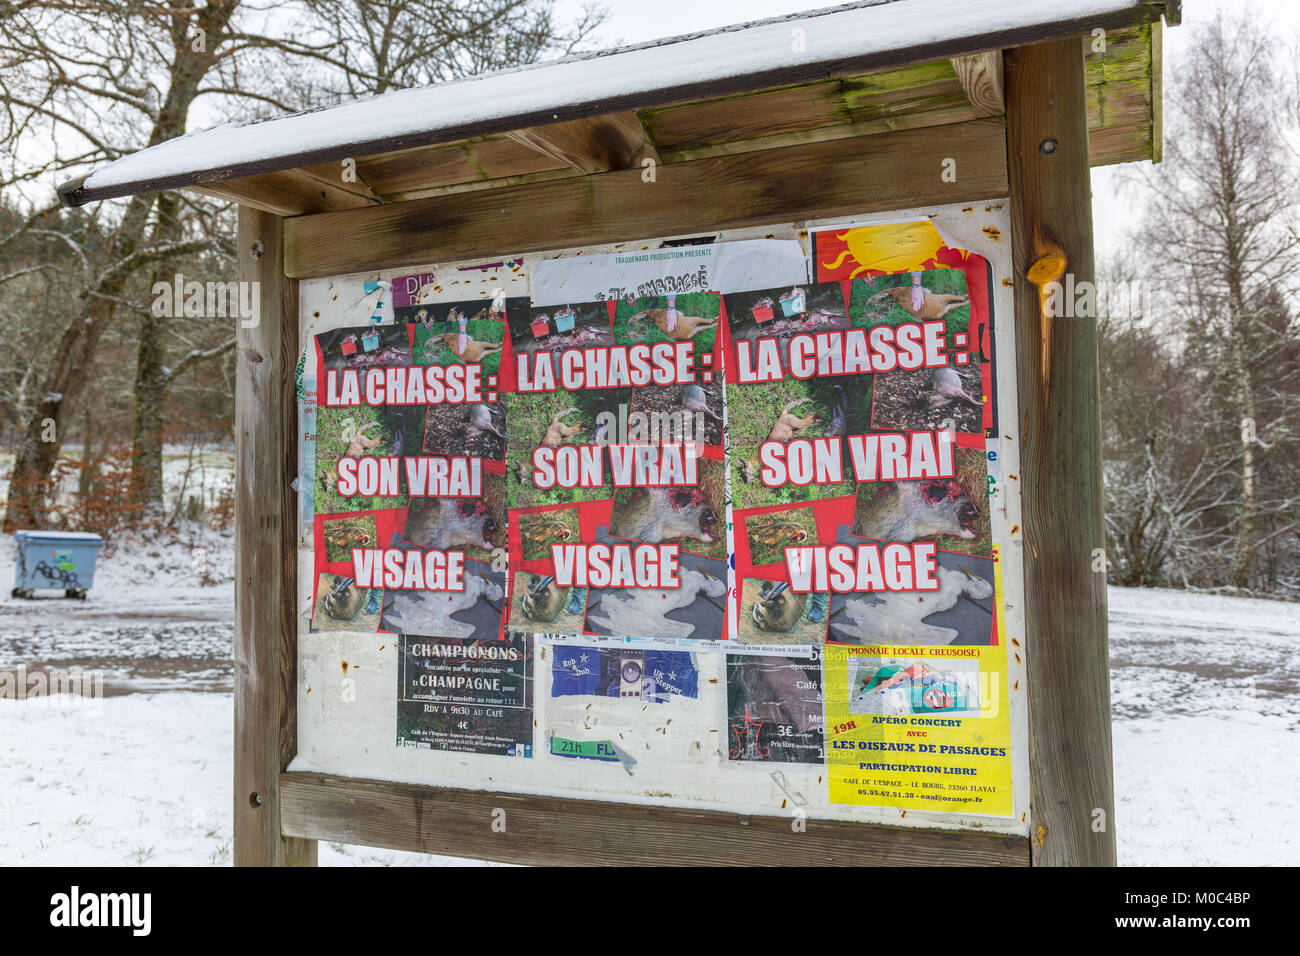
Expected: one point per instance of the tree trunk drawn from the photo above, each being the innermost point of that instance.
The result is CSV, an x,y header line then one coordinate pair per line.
x,y
1245,549
147,434
1240,316
151,376
29,487
151,381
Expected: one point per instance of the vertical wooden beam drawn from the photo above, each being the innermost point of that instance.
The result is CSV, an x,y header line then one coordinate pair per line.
x,y
1060,479
266,636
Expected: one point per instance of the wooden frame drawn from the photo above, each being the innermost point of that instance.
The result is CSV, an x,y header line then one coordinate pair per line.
x,y
1060,399
550,831
865,174
1038,156
668,90
266,527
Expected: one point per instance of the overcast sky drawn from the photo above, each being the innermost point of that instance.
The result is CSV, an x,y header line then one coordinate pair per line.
x,y
1114,213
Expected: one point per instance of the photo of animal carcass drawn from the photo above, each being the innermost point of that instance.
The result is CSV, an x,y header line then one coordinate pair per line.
x,y
538,605
475,431
539,530
952,512
555,420
461,333
772,613
361,432
829,407
782,313
950,396
959,612
476,526
342,606
576,325
768,534
691,413
684,317
474,612
343,534
908,685
691,518
692,611
364,347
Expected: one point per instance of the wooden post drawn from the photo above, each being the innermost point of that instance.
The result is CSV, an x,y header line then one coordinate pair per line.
x,y
1060,479
266,636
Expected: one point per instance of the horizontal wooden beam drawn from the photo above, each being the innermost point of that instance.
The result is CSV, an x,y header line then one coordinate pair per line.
x,y
961,162
554,831
594,145
291,192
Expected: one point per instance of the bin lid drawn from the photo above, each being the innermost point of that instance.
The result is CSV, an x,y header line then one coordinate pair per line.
x,y
59,537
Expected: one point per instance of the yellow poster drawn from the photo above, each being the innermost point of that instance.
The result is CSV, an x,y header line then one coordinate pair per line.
x,y
920,727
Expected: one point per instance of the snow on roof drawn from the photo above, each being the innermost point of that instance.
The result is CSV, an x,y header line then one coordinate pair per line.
x,y
861,36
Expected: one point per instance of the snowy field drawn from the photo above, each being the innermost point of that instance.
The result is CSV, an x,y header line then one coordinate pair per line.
x,y
1206,695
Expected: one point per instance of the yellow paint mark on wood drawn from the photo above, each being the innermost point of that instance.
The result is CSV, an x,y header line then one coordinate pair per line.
x,y
1048,266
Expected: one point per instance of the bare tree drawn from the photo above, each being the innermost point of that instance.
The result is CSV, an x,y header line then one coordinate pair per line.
x,y
86,82
1224,249
380,45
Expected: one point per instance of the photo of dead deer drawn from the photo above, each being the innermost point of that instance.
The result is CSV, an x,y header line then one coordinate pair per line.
x,y
952,512
554,420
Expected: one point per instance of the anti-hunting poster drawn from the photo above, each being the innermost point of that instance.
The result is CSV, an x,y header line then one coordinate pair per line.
x,y
723,526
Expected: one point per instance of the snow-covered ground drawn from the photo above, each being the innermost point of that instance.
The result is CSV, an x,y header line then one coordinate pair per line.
x,y
1206,695
145,782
